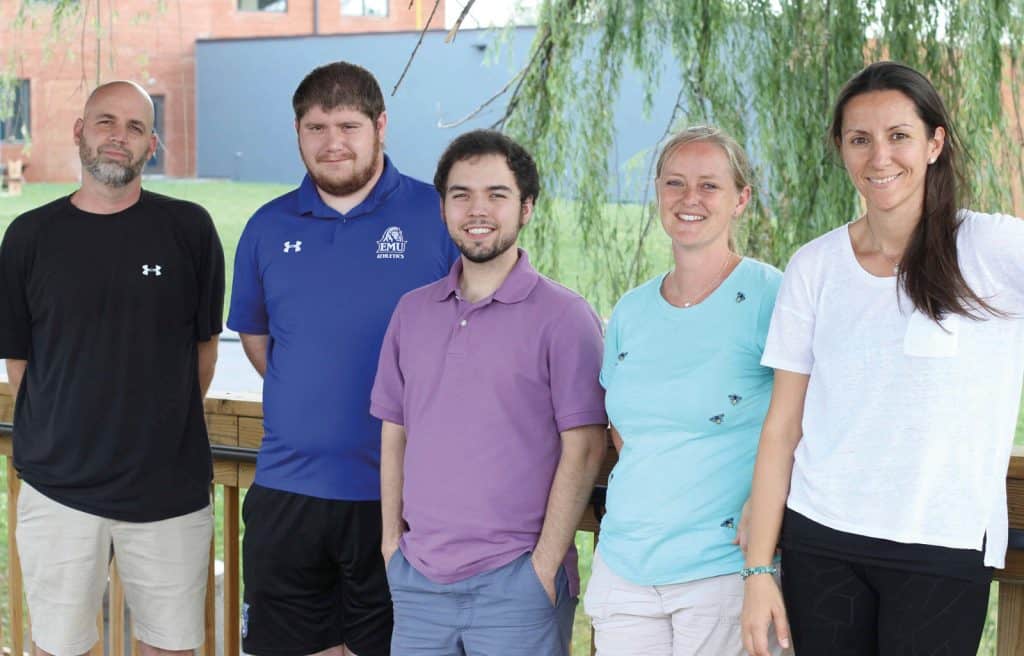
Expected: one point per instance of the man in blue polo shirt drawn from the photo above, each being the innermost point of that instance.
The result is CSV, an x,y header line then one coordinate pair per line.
x,y
317,274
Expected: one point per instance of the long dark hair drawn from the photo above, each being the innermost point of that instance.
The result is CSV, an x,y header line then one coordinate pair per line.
x,y
930,271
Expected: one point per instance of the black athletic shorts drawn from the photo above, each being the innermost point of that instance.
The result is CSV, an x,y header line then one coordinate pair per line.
x,y
314,576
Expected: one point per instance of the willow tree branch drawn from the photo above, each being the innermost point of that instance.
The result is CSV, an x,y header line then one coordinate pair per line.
x,y
545,47
482,106
645,228
458,21
1018,121
85,22
412,55
520,77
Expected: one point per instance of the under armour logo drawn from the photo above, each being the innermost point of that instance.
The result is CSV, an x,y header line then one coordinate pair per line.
x,y
293,247
155,269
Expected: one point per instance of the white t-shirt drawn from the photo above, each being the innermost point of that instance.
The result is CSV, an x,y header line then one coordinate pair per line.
x,y
907,428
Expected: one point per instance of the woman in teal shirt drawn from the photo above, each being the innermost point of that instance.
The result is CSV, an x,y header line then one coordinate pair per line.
x,y
686,395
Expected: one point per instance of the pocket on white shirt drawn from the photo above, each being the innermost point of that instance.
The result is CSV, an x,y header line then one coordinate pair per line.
x,y
927,339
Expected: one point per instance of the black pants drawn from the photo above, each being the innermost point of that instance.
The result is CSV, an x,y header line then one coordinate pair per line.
x,y
839,608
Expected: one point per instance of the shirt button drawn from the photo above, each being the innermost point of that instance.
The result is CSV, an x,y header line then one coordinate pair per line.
x,y
463,323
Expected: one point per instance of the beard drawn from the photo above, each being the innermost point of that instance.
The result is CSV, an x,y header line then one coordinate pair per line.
x,y
486,255
344,185
476,253
110,173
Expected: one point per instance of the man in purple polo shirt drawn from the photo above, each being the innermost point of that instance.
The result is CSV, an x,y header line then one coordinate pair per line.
x,y
493,427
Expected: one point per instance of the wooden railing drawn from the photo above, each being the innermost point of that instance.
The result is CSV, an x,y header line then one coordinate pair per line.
x,y
235,424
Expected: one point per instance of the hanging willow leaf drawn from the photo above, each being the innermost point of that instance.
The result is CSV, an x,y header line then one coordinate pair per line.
x,y
767,71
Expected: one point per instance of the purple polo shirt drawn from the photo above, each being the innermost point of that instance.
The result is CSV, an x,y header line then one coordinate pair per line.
x,y
483,390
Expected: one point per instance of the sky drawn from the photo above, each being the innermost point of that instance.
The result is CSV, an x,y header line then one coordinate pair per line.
x,y
491,13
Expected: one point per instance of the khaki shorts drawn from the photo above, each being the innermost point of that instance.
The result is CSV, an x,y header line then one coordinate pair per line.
x,y
697,618
65,557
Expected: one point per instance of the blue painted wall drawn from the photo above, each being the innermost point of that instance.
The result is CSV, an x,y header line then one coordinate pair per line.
x,y
244,87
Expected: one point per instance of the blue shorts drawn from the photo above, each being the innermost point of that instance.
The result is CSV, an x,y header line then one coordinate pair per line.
x,y
504,612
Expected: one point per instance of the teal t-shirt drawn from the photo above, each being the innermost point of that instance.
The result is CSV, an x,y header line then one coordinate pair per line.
x,y
687,392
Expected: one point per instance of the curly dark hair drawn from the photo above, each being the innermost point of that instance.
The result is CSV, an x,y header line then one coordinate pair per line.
x,y
490,142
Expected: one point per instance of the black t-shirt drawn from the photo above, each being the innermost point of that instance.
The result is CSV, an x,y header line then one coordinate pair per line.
x,y
802,534
107,310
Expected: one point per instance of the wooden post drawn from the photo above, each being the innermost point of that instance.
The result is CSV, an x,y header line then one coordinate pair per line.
x,y
591,522
1010,632
14,587
593,638
210,628
14,177
232,634
1010,636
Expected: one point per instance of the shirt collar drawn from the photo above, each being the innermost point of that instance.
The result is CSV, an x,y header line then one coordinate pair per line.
x,y
311,204
515,288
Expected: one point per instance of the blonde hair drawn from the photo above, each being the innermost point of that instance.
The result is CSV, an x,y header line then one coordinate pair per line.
x,y
739,163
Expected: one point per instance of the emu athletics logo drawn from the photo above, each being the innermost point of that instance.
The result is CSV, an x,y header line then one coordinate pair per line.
x,y
391,246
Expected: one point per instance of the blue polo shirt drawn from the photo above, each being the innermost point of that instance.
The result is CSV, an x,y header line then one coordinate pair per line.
x,y
323,286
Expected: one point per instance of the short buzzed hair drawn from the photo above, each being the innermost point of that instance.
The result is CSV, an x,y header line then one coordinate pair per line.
x,y
339,84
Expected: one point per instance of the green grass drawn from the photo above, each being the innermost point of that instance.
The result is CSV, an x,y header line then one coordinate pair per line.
x,y
231,204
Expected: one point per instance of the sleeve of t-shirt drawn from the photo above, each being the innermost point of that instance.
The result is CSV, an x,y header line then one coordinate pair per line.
x,y
15,321
767,308
248,313
210,314
611,348
789,345
574,367
1004,256
386,398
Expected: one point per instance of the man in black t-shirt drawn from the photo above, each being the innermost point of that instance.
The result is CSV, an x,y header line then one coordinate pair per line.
x,y
110,306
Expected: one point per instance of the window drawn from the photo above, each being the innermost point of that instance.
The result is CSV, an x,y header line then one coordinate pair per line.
x,y
278,6
14,110
364,8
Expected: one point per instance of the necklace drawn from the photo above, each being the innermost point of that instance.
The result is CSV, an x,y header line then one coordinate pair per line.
x,y
714,283
894,261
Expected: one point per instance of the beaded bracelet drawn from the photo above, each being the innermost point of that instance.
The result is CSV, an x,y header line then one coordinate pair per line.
x,y
763,569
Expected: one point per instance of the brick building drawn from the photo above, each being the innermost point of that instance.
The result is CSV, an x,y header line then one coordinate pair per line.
x,y
51,71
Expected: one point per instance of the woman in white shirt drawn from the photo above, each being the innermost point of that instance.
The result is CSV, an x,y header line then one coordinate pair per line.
x,y
898,346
